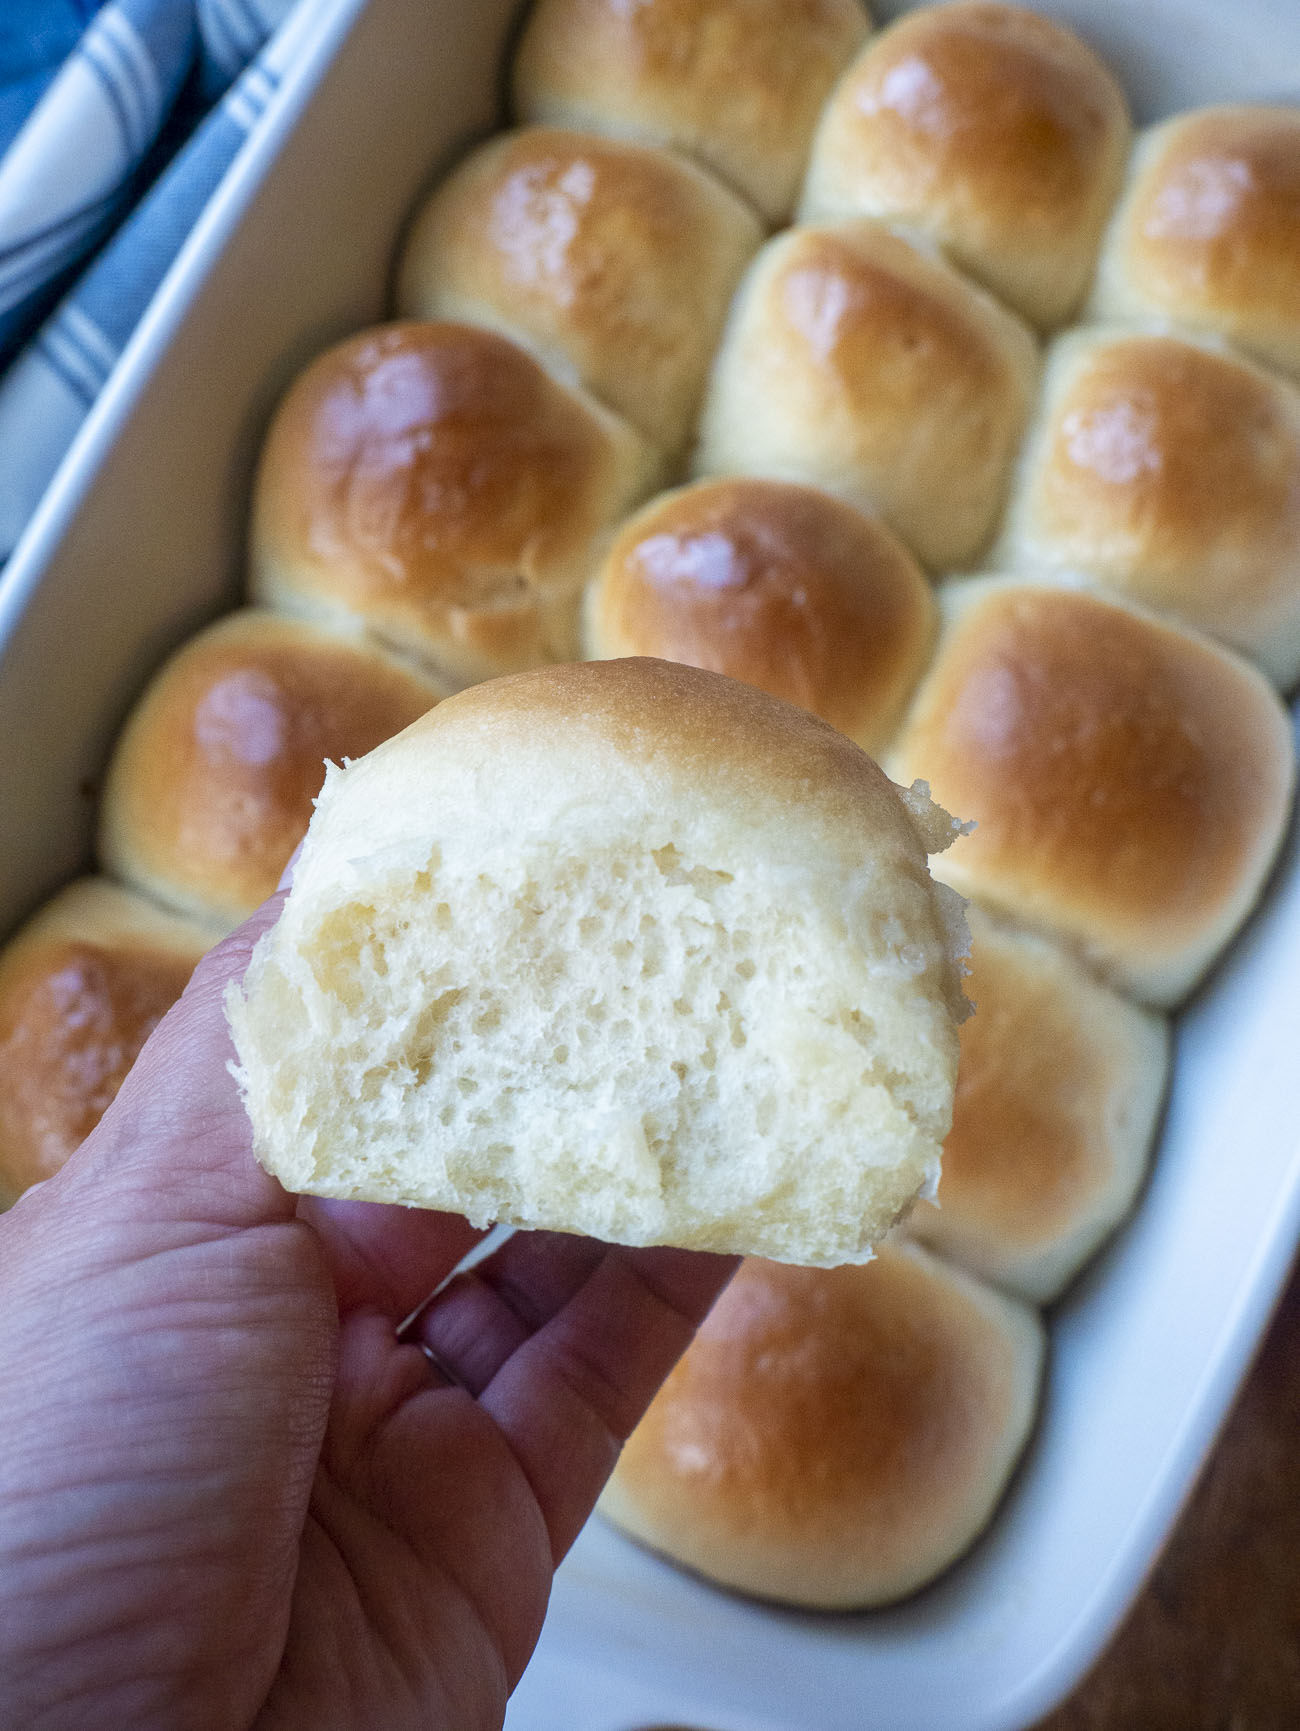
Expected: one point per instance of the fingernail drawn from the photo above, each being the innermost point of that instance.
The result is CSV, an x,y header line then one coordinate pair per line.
x,y
286,876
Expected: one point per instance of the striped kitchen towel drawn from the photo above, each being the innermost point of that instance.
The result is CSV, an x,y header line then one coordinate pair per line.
x,y
69,176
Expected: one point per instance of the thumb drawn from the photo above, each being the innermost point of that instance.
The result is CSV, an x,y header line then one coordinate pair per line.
x,y
176,1140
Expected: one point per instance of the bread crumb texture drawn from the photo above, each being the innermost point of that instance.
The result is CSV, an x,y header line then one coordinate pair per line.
x,y
591,949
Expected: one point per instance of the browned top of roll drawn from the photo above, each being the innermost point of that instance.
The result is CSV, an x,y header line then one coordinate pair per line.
x,y
1058,1088
1210,232
1025,1142
212,783
82,987
887,314
994,129
737,83
833,1437
1173,472
1160,441
782,586
862,363
1129,781
435,480
618,258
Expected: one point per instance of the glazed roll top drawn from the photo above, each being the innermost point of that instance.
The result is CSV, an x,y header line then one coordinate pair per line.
x,y
855,361
434,482
82,986
737,84
1171,472
1208,232
615,261
994,132
211,786
1058,1092
1129,781
834,1438
783,586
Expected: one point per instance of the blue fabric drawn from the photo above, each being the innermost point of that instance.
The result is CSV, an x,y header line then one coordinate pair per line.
x,y
139,79
137,54
36,37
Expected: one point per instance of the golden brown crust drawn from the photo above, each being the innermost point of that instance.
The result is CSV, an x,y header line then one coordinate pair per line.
x,y
82,987
736,83
993,130
212,783
857,362
1209,233
782,586
1171,472
1023,1144
433,480
1057,1091
617,258
1129,781
833,1437
691,726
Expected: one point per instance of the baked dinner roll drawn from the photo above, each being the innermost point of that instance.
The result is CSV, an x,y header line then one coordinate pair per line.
x,y
854,361
433,481
211,786
1129,781
1170,472
785,587
1058,1091
609,948
82,986
738,84
996,133
615,261
1208,232
834,1437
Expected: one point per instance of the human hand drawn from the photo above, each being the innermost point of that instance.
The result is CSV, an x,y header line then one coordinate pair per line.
x,y
230,1496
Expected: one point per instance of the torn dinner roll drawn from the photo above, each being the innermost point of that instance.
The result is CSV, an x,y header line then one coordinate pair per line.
x,y
615,261
211,785
997,134
1208,231
785,587
834,1438
1169,471
855,361
609,948
1129,781
1059,1091
431,482
82,986
737,84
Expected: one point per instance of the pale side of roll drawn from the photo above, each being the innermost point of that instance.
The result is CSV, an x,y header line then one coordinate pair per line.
x,y
82,986
1059,1092
997,134
622,948
615,261
783,586
1167,469
432,484
856,361
1208,231
211,784
1129,781
834,1438
737,84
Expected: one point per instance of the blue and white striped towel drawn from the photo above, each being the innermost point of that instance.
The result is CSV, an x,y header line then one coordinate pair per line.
x,y
70,172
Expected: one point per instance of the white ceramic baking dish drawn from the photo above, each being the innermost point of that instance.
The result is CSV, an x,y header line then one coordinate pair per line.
x,y
140,539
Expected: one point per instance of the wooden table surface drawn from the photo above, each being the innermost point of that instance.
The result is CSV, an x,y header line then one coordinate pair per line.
x,y
1213,1644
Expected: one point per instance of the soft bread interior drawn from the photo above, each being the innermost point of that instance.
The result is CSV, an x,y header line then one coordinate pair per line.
x,y
569,982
